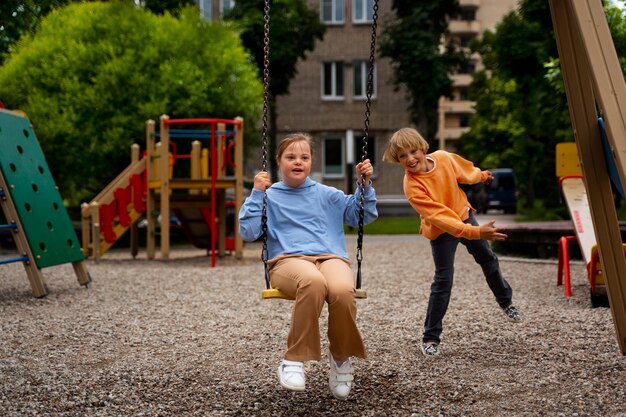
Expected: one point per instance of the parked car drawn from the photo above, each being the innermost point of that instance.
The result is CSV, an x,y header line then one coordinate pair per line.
x,y
502,191
477,196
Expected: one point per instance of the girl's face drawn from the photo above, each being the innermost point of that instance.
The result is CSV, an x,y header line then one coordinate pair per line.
x,y
295,163
413,161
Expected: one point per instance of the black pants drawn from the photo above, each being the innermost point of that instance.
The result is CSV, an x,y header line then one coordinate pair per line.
x,y
444,249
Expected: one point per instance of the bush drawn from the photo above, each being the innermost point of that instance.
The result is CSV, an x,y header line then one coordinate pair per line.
x,y
93,73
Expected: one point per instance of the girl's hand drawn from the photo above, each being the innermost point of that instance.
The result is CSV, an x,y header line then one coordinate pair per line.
x,y
489,232
262,181
365,169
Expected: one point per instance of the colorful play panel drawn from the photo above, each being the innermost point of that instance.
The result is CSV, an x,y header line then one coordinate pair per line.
x,y
32,205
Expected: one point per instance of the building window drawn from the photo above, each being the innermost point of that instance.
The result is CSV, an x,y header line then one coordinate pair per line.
x,y
371,150
332,80
333,157
463,94
468,15
361,69
332,11
470,68
226,5
465,40
362,11
206,9
464,120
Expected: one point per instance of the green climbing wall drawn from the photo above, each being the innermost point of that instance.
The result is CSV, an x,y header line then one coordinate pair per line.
x,y
39,205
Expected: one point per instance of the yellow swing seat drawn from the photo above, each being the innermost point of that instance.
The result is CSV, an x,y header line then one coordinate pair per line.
x,y
275,293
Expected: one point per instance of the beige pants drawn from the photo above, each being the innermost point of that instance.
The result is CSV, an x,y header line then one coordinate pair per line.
x,y
313,280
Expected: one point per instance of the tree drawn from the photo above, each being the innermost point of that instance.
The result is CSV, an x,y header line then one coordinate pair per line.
x,y
294,27
18,17
412,40
162,6
519,126
514,56
93,73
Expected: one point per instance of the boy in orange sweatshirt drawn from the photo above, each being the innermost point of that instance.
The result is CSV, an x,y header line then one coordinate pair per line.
x,y
431,185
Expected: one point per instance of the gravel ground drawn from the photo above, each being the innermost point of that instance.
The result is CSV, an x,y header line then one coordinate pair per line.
x,y
177,338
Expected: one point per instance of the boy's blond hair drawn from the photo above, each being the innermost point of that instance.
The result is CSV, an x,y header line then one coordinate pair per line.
x,y
406,138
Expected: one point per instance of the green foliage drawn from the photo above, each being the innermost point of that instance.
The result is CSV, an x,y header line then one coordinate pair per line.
x,y
521,109
294,28
18,17
412,40
93,73
494,132
617,25
174,7
519,118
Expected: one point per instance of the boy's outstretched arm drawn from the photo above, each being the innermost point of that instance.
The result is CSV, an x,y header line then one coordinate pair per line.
x,y
489,232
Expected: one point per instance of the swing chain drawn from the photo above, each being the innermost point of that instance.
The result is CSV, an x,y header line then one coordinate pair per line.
x,y
266,82
368,102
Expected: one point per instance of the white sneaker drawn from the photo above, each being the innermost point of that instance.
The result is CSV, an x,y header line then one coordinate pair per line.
x,y
340,378
291,375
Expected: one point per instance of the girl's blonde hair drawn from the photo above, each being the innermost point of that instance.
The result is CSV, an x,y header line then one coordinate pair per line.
x,y
404,139
293,138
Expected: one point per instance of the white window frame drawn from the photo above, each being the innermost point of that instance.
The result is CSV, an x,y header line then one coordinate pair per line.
x,y
362,66
337,6
334,95
206,9
362,11
334,175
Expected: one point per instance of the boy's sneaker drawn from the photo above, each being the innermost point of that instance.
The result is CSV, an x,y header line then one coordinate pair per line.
x,y
430,349
512,314
291,375
340,378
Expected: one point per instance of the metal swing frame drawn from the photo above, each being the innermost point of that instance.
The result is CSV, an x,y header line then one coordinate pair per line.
x,y
269,292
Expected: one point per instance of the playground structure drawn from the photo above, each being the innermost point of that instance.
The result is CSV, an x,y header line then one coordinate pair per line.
x,y
149,186
573,190
595,87
34,210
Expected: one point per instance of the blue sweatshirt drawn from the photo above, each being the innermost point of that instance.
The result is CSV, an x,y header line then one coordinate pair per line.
x,y
307,220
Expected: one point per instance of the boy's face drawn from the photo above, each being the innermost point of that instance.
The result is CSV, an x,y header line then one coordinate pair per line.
x,y
413,161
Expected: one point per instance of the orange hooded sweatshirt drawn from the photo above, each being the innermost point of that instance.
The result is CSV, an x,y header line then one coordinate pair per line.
x,y
437,197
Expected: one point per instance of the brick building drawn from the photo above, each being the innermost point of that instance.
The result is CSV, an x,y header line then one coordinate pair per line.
x,y
327,96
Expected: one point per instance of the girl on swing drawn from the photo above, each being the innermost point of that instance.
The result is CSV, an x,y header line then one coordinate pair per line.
x,y
307,259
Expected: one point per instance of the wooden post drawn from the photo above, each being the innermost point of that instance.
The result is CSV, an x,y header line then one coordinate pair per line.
x,y
85,228
81,273
591,72
196,170
220,143
94,209
150,177
35,276
165,189
205,168
134,230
